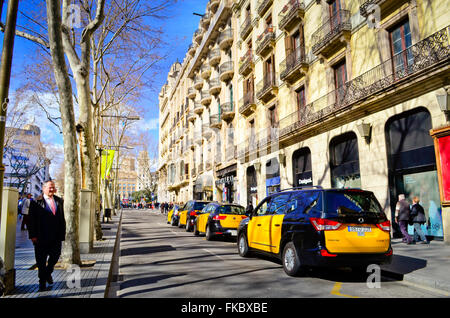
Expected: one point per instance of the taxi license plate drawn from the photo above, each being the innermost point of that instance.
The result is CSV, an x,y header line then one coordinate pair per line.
x,y
360,230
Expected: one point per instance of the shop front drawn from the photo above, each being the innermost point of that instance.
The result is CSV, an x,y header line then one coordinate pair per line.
x,y
412,166
252,186
227,183
301,166
272,176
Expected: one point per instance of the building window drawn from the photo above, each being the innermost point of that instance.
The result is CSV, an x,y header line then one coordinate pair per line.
x,y
302,168
344,161
400,40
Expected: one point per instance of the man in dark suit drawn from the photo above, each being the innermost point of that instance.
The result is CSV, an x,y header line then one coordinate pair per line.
x,y
47,230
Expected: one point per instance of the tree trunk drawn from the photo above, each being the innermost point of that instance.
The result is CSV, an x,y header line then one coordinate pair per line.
x,y
71,251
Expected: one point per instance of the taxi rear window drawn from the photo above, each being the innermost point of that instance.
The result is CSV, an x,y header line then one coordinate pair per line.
x,y
341,203
232,209
199,205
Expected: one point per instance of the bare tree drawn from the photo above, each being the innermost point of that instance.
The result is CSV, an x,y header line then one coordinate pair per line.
x,y
71,251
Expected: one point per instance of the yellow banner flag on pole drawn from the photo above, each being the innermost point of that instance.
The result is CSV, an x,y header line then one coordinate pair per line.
x,y
107,162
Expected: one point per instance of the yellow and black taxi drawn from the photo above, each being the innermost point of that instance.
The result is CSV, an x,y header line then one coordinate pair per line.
x,y
315,227
188,213
218,219
172,216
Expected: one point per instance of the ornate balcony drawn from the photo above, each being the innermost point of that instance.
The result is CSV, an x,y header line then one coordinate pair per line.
x,y
206,19
262,6
332,35
191,93
192,48
198,83
246,27
213,5
227,111
226,71
205,71
247,104
198,36
198,108
265,41
198,139
191,116
215,86
246,63
226,39
417,69
267,88
215,121
291,14
295,66
383,4
206,131
214,57
205,98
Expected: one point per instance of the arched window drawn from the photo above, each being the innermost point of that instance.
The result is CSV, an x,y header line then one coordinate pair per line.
x,y
301,167
412,165
344,161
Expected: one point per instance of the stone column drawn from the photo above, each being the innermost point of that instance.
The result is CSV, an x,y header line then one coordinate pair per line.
x,y
8,222
86,231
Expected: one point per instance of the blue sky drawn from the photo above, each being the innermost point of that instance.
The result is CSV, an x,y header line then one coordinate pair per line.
x,y
178,28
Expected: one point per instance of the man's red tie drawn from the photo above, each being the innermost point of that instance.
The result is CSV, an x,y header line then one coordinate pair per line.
x,y
53,207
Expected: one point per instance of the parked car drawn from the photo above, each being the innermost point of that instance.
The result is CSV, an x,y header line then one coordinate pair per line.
x,y
188,213
172,216
318,227
219,219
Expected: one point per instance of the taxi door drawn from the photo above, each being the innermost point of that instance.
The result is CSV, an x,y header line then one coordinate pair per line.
x,y
277,210
258,228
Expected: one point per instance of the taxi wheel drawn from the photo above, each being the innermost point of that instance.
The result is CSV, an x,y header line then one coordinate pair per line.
x,y
196,232
172,222
188,225
208,234
243,246
291,262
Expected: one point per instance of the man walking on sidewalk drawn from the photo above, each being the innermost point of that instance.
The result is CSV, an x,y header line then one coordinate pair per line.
x,y
47,229
402,217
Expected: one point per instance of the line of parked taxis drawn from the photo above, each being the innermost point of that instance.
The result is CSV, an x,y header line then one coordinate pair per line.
x,y
303,227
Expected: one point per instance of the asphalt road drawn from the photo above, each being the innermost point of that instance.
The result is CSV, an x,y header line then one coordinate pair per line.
x,y
158,260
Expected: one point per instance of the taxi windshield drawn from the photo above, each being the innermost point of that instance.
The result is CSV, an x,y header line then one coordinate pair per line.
x,y
351,202
231,209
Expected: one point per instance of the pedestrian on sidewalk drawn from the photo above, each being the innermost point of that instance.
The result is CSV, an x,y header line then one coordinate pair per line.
x,y
402,212
418,218
47,230
24,211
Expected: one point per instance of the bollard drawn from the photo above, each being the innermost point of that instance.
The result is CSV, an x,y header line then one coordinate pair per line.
x,y
86,229
8,222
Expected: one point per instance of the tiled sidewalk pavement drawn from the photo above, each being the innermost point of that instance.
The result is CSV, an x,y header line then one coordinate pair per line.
x,y
93,278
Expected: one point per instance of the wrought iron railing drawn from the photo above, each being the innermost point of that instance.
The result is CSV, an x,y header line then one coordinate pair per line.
x,y
289,12
429,52
334,26
294,60
266,85
246,27
247,101
265,39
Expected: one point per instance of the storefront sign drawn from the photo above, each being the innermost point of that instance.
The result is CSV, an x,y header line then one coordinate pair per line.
x,y
441,139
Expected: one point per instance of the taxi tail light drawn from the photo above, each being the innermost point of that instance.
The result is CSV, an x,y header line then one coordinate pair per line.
x,y
326,254
193,213
325,224
219,217
385,226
